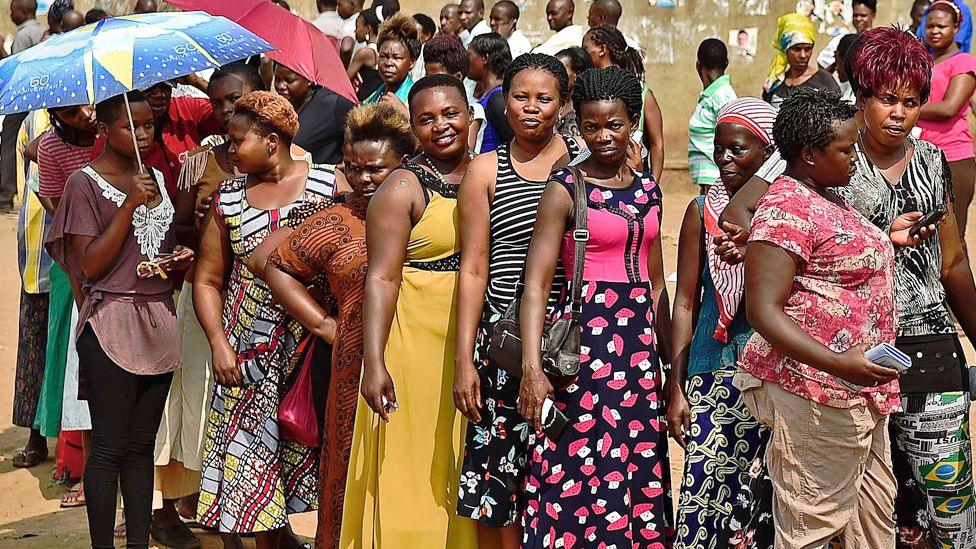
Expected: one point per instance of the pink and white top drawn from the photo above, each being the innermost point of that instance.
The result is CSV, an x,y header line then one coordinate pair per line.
x,y
842,294
952,135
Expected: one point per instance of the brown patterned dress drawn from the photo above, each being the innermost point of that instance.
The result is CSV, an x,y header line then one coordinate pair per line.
x,y
328,250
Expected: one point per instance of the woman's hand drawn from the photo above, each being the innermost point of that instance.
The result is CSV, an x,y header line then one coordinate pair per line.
x,y
533,391
854,367
392,99
224,365
679,414
467,390
377,388
327,330
732,245
901,232
202,209
142,192
181,260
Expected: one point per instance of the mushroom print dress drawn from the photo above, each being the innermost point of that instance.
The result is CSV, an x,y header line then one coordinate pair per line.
x,y
605,483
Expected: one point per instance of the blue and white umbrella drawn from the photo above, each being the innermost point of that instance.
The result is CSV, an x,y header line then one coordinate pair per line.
x,y
120,54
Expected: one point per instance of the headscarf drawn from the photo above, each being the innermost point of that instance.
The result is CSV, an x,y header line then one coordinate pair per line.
x,y
757,116
791,29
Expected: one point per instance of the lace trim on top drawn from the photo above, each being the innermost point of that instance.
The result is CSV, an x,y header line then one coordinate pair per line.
x,y
429,180
148,225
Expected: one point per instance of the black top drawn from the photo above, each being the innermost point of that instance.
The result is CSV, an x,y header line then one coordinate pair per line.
x,y
321,121
822,80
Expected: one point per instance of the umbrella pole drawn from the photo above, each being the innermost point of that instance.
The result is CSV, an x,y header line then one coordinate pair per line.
x,y
132,128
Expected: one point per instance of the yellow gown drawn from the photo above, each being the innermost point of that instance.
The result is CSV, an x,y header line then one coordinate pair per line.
x,y
402,486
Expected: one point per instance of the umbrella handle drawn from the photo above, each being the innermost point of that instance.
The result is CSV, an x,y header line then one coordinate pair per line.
x,y
132,128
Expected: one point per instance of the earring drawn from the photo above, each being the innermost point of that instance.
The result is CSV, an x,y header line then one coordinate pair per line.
x,y
271,151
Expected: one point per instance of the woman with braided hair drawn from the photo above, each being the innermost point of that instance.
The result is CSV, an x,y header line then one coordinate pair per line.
x,y
607,478
497,206
608,47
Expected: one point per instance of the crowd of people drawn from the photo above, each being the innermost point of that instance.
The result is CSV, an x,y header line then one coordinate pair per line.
x,y
440,317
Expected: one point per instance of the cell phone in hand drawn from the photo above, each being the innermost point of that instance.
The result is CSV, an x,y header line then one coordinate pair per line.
x,y
931,218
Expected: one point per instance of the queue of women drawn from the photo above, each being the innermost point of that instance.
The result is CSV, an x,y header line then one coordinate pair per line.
x,y
346,302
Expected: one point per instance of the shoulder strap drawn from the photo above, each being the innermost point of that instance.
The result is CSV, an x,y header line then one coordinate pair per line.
x,y
580,236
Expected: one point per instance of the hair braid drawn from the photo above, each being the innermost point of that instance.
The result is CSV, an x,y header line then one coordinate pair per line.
x,y
608,84
545,63
621,54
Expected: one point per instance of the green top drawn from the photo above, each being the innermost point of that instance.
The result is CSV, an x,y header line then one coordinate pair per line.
x,y
701,130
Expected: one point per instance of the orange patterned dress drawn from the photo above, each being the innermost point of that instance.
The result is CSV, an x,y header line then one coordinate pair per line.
x,y
328,250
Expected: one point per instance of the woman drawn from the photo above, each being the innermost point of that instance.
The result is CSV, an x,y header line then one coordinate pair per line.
x,y
496,211
706,415
820,292
362,68
321,113
791,68
328,251
607,47
179,443
612,475
407,440
61,152
928,274
246,466
399,49
489,57
943,118
576,61
113,218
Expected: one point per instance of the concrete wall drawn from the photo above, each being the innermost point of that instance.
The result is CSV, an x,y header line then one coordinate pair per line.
x,y
669,37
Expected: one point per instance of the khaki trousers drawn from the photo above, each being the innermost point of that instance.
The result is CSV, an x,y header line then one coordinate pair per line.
x,y
830,469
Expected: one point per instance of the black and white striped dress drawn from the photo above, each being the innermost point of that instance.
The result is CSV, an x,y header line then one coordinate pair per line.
x,y
495,450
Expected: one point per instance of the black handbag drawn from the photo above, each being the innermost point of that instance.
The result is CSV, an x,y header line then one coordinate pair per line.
x,y
560,338
938,364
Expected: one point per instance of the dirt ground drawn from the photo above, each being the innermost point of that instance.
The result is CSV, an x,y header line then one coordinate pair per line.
x,y
30,517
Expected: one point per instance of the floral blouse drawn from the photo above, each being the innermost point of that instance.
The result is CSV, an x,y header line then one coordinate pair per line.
x,y
842,295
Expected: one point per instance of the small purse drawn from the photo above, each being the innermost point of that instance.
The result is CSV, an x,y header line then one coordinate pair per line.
x,y
938,364
297,417
560,338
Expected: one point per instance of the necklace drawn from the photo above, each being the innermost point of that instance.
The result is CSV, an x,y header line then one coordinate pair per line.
x,y
430,164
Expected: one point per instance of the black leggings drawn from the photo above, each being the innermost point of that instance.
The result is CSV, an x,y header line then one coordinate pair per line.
x,y
125,413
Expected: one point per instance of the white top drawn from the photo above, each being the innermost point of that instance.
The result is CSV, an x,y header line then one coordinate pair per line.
x,y
570,37
330,24
349,25
829,54
518,44
481,28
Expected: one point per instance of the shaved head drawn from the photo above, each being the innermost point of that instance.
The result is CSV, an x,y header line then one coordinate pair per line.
x,y
472,12
72,20
504,17
604,12
146,6
559,14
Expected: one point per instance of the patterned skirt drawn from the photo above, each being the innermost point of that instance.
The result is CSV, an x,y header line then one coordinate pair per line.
x,y
495,451
723,442
251,479
31,356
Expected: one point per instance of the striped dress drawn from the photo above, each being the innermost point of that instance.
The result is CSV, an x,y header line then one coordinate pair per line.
x,y
251,480
495,450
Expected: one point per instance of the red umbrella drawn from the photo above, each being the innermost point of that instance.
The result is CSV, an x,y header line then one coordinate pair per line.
x,y
301,45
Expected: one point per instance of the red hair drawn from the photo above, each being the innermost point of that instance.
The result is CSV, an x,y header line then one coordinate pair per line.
x,y
886,59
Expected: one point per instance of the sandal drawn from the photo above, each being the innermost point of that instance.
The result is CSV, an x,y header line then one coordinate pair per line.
x,y
74,498
119,531
29,457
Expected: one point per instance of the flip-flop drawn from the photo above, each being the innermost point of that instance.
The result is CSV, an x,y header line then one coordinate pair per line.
x,y
29,457
177,535
119,531
74,498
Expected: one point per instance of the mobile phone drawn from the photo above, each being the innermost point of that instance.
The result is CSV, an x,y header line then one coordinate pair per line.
x,y
554,421
931,218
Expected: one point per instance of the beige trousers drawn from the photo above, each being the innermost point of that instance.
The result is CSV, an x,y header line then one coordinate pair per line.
x,y
830,469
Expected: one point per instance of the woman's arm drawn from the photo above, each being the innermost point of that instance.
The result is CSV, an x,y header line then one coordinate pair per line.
x,y
389,220
540,266
298,302
258,260
184,221
683,321
736,220
97,255
662,304
957,274
474,201
770,271
213,263
960,90
654,135
364,58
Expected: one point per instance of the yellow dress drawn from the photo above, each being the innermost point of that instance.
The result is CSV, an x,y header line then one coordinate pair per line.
x,y
402,485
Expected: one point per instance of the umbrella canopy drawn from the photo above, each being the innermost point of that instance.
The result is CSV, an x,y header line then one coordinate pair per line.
x,y
120,54
301,45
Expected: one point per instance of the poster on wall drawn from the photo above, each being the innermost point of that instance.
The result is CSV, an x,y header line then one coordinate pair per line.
x,y
744,41
42,6
835,16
